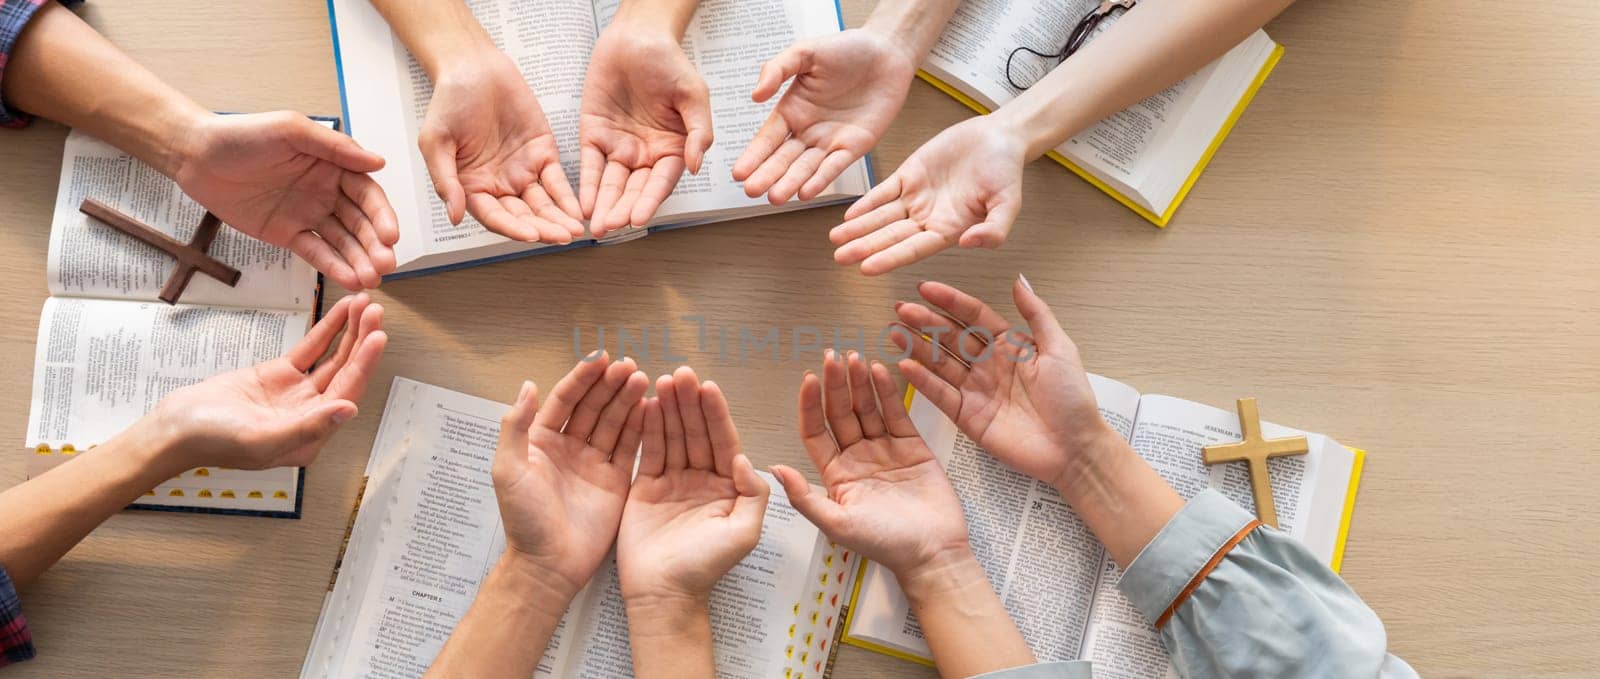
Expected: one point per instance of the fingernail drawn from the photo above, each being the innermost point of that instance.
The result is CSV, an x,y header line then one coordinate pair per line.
x,y
522,394
1025,284
341,416
898,304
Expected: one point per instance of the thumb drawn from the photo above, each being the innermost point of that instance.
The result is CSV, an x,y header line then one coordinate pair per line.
x,y
695,108
317,424
992,231
512,452
751,506
1042,323
313,138
439,154
779,69
819,509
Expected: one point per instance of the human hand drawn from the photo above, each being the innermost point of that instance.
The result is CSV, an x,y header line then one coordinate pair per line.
x,y
963,187
561,471
1023,396
290,181
275,414
696,507
888,498
490,152
848,87
646,114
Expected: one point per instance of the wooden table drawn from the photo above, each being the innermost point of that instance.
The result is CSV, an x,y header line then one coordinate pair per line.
x,y
1403,222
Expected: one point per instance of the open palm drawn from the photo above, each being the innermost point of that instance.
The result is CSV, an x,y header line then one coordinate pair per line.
x,y
275,414
876,468
848,87
290,181
561,470
1023,396
491,152
694,487
963,187
646,115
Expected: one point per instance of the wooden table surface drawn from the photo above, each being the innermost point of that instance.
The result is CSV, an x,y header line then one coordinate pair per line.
x,y
1397,246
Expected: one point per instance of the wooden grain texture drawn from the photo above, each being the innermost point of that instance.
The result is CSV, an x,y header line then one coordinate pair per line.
x,y
1404,221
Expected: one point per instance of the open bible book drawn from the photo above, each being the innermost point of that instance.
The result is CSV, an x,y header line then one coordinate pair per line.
x,y
386,94
427,531
1055,579
108,349
1147,156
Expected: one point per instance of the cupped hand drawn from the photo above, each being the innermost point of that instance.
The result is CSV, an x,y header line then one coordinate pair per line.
x,y
848,87
888,498
490,152
276,414
1022,395
697,505
646,115
290,181
963,187
561,470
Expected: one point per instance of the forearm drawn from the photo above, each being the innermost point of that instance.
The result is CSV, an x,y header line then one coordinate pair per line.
x,y
673,15
1148,49
966,626
1118,495
437,32
914,25
671,638
46,516
62,69
510,623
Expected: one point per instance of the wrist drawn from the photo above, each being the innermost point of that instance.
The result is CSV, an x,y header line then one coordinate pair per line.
x,y
911,27
1039,122
949,571
1093,463
531,584
156,446
652,18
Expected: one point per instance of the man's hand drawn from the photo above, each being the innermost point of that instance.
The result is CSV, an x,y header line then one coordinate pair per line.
x,y
848,87
962,187
490,152
888,498
561,471
290,181
646,114
696,507
276,414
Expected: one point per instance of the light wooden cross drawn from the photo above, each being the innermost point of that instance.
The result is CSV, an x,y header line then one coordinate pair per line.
x,y
1256,450
191,256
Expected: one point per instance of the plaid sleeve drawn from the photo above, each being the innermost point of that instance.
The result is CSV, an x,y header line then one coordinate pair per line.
x,y
16,642
14,15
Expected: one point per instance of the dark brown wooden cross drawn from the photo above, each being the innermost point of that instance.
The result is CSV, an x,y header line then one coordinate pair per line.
x,y
191,257
1256,450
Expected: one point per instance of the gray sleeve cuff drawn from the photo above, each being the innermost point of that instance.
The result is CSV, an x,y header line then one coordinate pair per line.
x,y
1182,548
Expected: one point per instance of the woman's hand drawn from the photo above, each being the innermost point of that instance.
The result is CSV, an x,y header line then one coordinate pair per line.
x,y
290,181
696,506
490,151
561,470
963,187
275,414
887,497
848,87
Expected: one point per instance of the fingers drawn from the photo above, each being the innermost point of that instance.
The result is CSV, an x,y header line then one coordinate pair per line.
x,y
1042,323
720,430
497,216
876,241
350,382
751,506
945,397
586,415
963,307
512,453
814,435
662,179
324,372
554,181
943,363
694,106
957,339
611,184
570,390
622,212
863,398
315,343
799,171
772,169
313,427
627,448
554,226
816,507
439,154
992,232
877,196
767,139
591,164
867,222
696,435
653,449
322,257
832,166
895,417
841,418
333,233
365,192
779,69
672,424
914,248
312,138
353,220
614,415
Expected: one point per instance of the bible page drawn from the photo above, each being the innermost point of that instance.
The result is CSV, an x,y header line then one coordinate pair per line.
x,y
1039,555
90,259
1169,434
728,41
